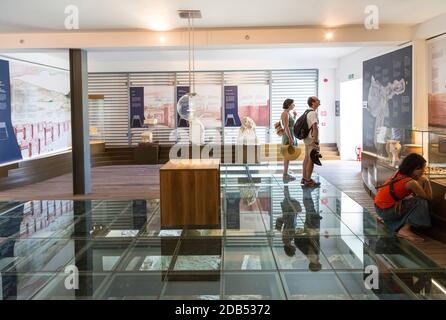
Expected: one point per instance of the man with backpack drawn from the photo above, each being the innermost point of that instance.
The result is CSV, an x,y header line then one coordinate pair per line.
x,y
311,141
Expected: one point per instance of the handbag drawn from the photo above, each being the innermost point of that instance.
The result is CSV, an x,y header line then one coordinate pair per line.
x,y
280,130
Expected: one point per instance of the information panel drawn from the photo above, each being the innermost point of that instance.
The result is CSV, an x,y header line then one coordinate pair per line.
x,y
9,148
387,105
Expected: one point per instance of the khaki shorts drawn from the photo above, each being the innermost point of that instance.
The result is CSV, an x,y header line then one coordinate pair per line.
x,y
309,145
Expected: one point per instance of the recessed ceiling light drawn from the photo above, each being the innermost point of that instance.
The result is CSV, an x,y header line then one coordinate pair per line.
x,y
329,35
158,25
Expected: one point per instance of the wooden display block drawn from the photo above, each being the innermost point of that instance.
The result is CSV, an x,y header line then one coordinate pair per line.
x,y
146,153
190,193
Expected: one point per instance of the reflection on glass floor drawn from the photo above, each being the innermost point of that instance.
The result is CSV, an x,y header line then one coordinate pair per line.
x,y
276,241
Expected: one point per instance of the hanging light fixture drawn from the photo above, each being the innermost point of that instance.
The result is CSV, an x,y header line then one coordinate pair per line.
x,y
191,107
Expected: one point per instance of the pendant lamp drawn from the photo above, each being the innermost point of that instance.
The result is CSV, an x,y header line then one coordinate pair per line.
x,y
191,106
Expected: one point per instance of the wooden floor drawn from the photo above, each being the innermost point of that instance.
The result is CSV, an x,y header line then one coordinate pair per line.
x,y
346,176
142,182
112,182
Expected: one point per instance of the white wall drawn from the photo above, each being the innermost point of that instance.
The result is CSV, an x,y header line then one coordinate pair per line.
x,y
327,124
431,28
351,118
352,63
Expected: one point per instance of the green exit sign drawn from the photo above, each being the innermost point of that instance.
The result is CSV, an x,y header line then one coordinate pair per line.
x,y
351,76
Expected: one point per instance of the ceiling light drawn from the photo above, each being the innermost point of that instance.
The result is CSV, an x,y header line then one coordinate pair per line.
x,y
158,25
329,36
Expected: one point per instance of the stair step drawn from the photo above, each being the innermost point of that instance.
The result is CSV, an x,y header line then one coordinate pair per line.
x,y
331,153
330,149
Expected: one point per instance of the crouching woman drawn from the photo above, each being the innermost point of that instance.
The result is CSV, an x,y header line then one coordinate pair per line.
x,y
402,201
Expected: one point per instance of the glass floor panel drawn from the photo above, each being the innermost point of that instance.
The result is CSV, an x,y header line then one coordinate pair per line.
x,y
253,286
248,254
276,240
387,286
314,285
55,289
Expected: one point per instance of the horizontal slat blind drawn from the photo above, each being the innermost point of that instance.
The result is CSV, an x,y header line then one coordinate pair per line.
x,y
294,84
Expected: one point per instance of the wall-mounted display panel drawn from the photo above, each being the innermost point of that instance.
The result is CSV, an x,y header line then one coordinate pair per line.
x,y
37,102
387,99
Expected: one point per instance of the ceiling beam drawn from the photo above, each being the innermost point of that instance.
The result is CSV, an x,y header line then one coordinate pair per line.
x,y
207,37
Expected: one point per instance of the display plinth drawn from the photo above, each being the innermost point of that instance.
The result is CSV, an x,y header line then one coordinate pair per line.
x,y
190,193
146,153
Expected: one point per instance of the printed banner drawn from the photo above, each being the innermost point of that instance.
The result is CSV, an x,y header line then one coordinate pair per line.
x,y
247,101
181,91
136,107
9,148
253,102
158,104
231,107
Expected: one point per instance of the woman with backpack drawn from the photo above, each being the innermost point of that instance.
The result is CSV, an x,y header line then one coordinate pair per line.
x,y
402,201
288,119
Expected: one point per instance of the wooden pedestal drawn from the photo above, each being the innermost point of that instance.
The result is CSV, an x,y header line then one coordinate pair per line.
x,y
190,193
146,153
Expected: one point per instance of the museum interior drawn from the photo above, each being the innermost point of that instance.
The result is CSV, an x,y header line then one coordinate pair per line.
x,y
120,166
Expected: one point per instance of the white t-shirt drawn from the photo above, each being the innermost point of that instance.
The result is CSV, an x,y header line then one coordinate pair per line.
x,y
311,119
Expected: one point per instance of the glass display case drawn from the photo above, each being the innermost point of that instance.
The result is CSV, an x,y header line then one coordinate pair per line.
x,y
96,116
394,144
382,156
147,134
437,157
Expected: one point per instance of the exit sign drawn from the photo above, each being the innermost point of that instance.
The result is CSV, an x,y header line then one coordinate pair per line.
x,y
351,76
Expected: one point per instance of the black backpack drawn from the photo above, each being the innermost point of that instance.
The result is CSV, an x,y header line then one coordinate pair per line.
x,y
301,129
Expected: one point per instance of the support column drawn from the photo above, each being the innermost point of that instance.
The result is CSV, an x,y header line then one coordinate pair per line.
x,y
80,122
420,110
83,248
421,86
